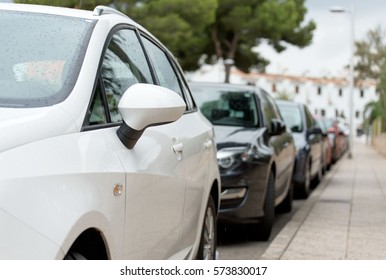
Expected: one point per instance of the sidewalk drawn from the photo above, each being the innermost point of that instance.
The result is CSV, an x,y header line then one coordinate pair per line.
x,y
345,216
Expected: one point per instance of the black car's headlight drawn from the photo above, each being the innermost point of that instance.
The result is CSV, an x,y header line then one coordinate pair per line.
x,y
230,157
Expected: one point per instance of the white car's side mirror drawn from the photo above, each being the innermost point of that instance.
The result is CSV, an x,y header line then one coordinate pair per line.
x,y
144,105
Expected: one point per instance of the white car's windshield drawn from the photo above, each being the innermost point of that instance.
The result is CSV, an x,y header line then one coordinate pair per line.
x,y
40,57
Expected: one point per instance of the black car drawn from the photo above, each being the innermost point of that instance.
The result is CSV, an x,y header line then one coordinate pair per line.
x,y
255,153
309,142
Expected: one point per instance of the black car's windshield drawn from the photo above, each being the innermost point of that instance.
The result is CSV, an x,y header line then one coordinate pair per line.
x,y
40,57
224,106
292,117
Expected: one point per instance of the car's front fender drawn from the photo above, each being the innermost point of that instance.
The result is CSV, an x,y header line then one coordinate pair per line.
x,y
57,188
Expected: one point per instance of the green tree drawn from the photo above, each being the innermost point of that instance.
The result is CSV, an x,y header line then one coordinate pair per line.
x,y
371,64
371,54
83,4
241,25
380,108
223,29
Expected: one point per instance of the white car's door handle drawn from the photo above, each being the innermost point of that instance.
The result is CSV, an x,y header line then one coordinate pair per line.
x,y
208,144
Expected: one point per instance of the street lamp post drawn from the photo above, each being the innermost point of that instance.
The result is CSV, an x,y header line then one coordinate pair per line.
x,y
351,11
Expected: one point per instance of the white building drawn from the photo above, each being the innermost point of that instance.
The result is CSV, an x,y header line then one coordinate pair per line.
x,y
327,97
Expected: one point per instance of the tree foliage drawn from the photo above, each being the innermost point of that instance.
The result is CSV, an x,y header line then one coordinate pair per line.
x,y
224,29
371,63
241,25
381,104
371,54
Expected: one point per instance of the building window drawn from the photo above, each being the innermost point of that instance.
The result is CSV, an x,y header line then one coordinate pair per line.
x,y
323,112
273,87
357,114
319,90
296,89
340,92
316,111
336,113
362,93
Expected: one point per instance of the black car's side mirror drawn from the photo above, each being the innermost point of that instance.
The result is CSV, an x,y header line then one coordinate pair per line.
x,y
277,127
314,131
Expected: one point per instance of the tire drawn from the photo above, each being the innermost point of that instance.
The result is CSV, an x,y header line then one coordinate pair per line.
x,y
74,256
208,241
304,190
264,227
324,164
318,178
286,205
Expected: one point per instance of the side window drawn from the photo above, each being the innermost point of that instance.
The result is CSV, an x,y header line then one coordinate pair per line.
x,y
275,109
188,96
124,64
268,109
164,70
98,114
309,119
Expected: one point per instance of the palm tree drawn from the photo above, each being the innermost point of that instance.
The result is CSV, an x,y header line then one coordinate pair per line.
x,y
371,112
377,109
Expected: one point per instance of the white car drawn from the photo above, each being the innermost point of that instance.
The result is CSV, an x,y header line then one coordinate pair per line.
x,y
103,153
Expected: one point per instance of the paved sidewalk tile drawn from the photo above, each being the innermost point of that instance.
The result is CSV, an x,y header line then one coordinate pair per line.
x,y
344,218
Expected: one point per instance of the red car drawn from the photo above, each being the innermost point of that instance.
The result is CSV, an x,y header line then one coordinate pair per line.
x,y
338,138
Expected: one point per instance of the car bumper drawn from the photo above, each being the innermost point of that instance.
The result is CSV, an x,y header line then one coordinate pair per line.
x,y
242,195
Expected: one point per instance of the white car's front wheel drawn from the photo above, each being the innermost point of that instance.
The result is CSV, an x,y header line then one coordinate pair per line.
x,y
208,243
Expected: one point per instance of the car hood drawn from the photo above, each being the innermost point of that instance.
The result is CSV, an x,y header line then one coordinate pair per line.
x,y
21,126
233,136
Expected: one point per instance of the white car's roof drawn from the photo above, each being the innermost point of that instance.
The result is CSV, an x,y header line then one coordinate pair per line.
x,y
96,14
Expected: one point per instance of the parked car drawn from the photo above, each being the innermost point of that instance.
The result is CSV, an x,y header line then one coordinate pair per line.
x,y
338,138
308,140
255,153
344,131
103,153
327,145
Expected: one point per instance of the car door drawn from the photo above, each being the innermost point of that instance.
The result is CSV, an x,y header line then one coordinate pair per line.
x,y
282,145
155,176
194,143
314,140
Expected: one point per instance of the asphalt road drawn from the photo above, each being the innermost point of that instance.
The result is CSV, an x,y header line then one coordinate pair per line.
x,y
234,242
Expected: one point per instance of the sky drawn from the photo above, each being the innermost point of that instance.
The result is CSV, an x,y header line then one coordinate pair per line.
x,y
329,52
